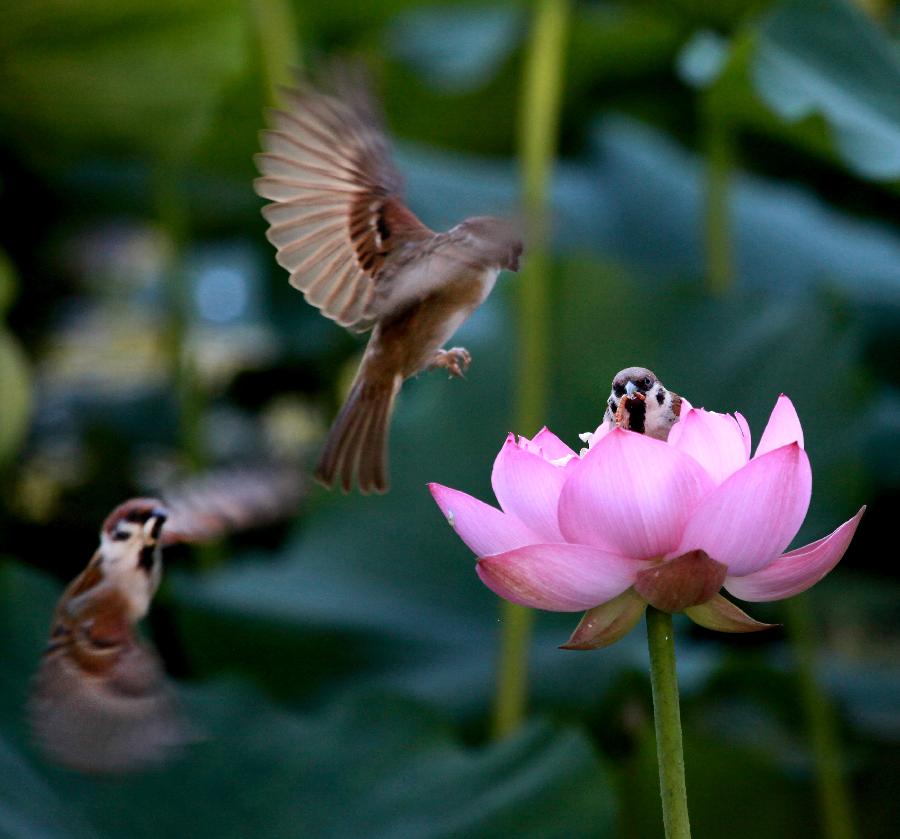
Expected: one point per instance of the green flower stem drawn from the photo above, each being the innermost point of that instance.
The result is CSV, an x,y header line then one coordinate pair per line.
x,y
720,154
278,47
667,719
538,129
191,402
512,668
537,132
834,797
172,213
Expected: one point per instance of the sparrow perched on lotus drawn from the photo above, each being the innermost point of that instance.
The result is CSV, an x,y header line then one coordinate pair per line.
x,y
640,402
341,228
100,701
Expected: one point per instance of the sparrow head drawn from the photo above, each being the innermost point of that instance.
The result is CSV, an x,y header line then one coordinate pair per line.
x,y
640,402
496,238
131,549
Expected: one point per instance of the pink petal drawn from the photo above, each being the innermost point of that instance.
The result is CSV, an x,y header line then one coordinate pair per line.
x,y
483,528
599,433
751,518
631,495
528,487
558,577
714,440
783,428
548,444
795,571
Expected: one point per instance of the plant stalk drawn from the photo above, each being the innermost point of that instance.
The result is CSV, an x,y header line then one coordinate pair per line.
x,y
667,721
537,133
831,788
278,46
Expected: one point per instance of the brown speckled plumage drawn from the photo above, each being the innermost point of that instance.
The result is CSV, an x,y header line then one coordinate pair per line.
x,y
341,228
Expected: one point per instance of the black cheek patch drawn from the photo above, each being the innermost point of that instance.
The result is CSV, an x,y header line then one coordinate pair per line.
x,y
146,559
660,396
612,405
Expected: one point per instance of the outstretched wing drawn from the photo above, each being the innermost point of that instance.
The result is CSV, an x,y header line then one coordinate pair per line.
x,y
100,701
337,198
210,505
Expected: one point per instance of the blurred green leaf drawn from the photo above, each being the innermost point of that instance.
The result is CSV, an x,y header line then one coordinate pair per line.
x,y
827,57
133,76
367,767
29,807
787,240
743,788
816,74
456,48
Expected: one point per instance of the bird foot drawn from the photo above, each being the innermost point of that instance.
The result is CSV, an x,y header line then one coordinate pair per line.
x,y
455,361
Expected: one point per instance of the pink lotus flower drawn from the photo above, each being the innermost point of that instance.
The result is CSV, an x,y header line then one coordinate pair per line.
x,y
637,520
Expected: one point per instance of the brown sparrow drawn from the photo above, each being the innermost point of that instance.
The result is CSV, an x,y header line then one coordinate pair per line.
x,y
640,402
100,701
356,251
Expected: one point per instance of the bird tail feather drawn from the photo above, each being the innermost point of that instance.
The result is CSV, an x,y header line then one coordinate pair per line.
x,y
357,441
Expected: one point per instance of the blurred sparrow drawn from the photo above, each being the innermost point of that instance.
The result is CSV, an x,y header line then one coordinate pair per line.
x,y
640,402
100,701
356,251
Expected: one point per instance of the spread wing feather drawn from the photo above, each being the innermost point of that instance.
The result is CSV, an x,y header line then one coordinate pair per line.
x,y
336,196
208,506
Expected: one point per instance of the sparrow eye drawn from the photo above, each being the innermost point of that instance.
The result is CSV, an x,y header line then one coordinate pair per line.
x,y
648,382
120,535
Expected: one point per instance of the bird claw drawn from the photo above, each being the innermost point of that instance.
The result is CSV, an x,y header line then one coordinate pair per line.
x,y
455,361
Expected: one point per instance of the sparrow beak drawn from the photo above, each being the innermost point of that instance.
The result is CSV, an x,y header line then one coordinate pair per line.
x,y
630,388
154,525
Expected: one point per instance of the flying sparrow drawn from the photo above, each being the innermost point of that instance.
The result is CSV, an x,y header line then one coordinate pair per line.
x,y
352,246
640,402
100,701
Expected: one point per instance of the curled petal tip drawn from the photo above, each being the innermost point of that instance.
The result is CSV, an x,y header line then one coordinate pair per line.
x,y
782,428
485,529
796,571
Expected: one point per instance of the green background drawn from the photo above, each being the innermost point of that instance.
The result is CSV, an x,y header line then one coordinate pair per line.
x,y
340,667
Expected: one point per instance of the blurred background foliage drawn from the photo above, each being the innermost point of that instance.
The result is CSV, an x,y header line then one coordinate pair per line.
x,y
724,210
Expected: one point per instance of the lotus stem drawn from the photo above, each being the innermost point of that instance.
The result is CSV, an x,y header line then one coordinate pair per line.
x,y
538,130
831,788
667,720
279,52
